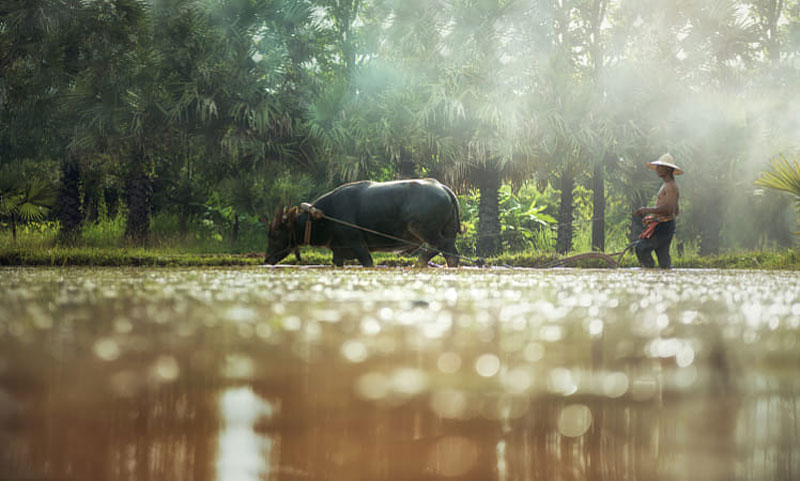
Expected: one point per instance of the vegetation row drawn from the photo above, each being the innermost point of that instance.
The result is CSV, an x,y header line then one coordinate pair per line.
x,y
178,124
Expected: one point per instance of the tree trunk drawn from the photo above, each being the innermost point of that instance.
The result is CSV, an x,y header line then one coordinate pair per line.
x,y
69,199
91,200
183,221
348,42
707,214
565,209
406,168
235,233
489,214
90,208
598,209
710,226
139,192
773,43
111,198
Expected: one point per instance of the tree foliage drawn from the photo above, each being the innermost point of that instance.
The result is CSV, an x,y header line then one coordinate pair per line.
x,y
214,112
783,175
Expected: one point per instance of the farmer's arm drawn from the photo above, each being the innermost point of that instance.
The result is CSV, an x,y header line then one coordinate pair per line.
x,y
666,204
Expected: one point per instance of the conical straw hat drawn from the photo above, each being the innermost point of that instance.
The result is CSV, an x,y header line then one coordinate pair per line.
x,y
668,161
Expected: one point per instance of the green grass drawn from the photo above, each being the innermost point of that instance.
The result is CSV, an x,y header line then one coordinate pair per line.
x,y
102,245
788,259
168,257
125,256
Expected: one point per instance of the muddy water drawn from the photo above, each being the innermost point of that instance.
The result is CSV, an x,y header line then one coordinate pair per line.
x,y
282,374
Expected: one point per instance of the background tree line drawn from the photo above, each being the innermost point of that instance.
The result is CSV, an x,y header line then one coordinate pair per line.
x,y
540,113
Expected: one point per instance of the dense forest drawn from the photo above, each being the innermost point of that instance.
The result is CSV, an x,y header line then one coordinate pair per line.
x,y
194,118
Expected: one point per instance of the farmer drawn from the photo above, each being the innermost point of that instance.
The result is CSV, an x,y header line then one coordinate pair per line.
x,y
659,221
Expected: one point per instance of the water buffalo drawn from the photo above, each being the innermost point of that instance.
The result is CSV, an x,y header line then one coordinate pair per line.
x,y
419,211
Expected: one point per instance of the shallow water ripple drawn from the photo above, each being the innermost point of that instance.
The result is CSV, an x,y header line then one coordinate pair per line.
x,y
390,374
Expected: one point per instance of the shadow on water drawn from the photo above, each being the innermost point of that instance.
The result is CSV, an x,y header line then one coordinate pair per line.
x,y
279,374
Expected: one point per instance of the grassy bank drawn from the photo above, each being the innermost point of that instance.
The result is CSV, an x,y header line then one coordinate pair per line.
x,y
103,243
174,257
97,256
788,259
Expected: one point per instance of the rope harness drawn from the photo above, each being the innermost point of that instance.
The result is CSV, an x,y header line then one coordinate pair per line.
x,y
609,258
317,214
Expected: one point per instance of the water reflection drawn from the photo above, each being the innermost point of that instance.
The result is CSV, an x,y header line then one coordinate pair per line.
x,y
282,374
242,453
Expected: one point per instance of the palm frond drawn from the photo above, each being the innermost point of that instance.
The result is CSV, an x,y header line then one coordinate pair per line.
x,y
30,200
784,175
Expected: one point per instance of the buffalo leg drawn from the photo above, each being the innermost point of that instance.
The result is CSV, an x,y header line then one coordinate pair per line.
x,y
426,253
363,256
426,256
439,243
338,258
450,252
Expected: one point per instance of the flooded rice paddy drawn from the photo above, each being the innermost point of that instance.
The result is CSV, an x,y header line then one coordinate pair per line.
x,y
391,374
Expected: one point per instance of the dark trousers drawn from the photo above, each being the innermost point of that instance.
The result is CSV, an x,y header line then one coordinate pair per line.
x,y
659,242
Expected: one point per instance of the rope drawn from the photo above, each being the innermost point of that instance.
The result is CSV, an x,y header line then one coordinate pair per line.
x,y
609,258
316,213
295,248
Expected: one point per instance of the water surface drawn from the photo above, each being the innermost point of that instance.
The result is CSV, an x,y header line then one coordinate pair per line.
x,y
241,374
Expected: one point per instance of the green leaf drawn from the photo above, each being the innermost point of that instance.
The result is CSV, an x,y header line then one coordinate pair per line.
x,y
784,175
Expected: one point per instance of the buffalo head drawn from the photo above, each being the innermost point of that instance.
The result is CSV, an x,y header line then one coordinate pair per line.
x,y
282,239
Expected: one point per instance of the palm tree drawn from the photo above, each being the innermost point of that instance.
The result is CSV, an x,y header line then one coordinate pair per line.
x,y
442,94
24,197
563,153
577,136
767,14
70,214
477,105
189,79
576,128
239,192
105,105
595,16
38,56
367,118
